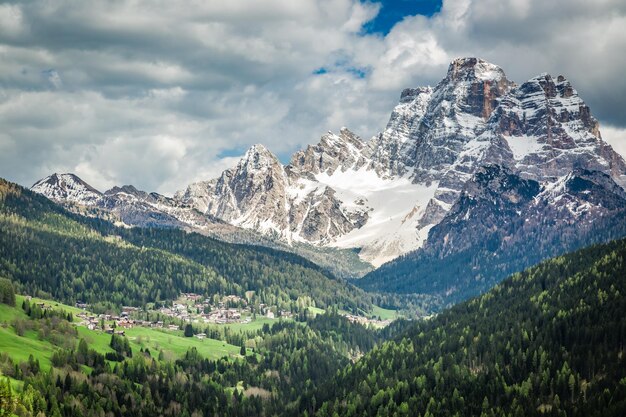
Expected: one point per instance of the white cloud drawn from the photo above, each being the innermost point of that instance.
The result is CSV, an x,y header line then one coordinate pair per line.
x,y
11,21
160,94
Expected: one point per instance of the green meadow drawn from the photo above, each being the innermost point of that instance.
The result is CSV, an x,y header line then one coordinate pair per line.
x,y
172,343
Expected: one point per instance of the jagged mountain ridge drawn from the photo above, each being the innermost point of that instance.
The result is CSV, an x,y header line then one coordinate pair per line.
x,y
436,139
385,195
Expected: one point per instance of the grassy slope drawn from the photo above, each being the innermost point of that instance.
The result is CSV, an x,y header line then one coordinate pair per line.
x,y
176,344
384,313
19,348
173,344
252,326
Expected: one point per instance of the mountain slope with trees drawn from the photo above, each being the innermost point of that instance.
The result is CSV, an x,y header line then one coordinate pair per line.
x,y
548,341
45,249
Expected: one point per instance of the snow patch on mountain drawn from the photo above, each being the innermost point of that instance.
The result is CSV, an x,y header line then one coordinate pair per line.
x,y
395,206
521,146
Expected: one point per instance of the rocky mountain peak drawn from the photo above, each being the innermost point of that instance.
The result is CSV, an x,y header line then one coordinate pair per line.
x,y
469,69
388,195
258,157
332,152
550,131
127,189
471,86
554,86
67,187
67,180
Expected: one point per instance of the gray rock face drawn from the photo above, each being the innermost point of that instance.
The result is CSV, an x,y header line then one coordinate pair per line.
x,y
434,135
284,201
550,131
456,115
343,151
385,195
253,193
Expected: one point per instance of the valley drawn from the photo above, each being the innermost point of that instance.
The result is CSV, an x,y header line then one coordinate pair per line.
x,y
469,260
543,366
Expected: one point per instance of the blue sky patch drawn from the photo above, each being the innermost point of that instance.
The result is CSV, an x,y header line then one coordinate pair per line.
x,y
358,72
393,11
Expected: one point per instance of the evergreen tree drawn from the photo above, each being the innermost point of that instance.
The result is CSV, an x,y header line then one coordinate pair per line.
x,y
188,330
7,292
7,400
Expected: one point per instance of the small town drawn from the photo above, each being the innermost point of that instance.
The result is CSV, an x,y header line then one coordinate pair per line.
x,y
196,309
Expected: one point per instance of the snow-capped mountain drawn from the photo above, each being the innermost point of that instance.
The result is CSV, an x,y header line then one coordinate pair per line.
x,y
127,204
386,194
331,194
284,201
67,188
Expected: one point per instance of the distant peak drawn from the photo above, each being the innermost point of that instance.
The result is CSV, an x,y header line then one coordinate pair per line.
x,y
349,135
258,156
64,180
128,189
62,176
545,77
474,68
66,187
553,86
258,148
345,136
465,62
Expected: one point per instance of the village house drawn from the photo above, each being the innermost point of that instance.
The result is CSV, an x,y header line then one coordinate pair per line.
x,y
191,296
124,324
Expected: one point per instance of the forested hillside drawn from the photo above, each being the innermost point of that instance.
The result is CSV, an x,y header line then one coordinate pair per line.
x,y
548,341
44,249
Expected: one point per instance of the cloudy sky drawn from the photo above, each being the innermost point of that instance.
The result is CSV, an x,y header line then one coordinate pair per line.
x,y
163,93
